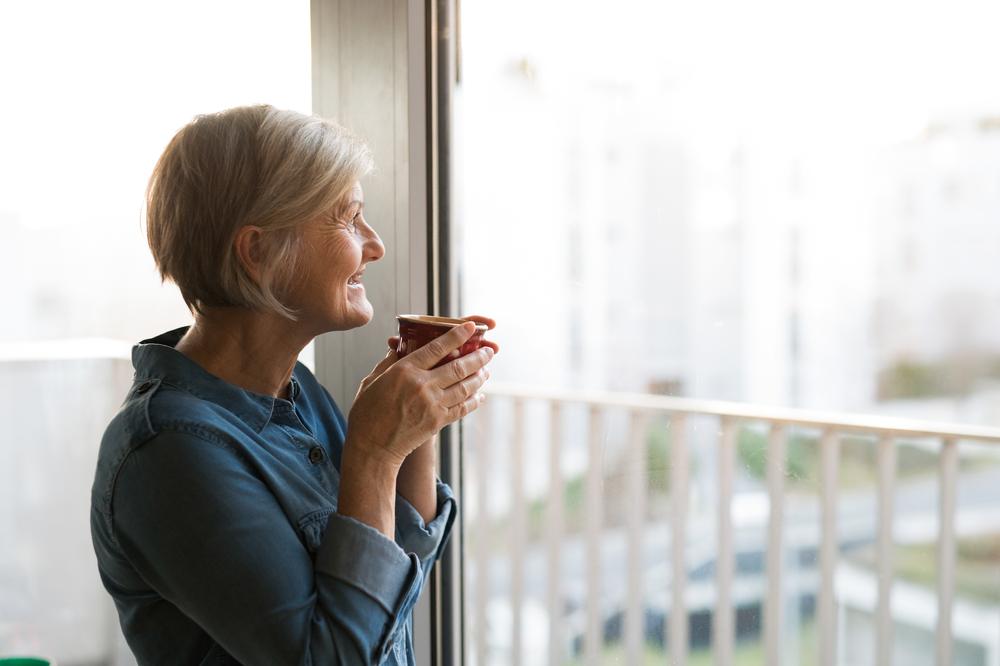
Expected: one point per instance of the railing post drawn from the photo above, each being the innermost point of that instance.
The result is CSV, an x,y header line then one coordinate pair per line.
x,y
518,540
886,497
775,545
722,630
829,547
946,550
636,489
554,535
677,635
594,638
483,532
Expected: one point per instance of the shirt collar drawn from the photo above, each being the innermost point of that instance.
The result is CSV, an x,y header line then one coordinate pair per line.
x,y
156,358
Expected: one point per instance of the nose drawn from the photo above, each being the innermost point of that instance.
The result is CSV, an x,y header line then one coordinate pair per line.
x,y
373,248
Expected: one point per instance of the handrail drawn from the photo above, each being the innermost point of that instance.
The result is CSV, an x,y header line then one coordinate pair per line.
x,y
782,415
65,349
886,434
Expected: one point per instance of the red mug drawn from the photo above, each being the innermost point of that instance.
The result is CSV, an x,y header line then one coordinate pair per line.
x,y
415,331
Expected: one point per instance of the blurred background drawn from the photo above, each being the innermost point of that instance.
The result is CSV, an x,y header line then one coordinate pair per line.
x,y
93,92
772,203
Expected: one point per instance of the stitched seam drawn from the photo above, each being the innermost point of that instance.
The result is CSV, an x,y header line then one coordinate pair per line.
x,y
243,415
314,517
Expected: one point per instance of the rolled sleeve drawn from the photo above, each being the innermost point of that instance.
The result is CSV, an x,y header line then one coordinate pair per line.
x,y
361,556
364,559
426,541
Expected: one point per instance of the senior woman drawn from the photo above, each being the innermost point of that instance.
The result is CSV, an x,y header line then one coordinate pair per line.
x,y
237,516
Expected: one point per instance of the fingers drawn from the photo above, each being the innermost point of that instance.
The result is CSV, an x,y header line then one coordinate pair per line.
x,y
492,345
393,343
465,389
438,348
466,407
490,325
457,370
479,319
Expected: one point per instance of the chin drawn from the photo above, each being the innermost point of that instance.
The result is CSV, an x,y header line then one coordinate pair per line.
x,y
354,318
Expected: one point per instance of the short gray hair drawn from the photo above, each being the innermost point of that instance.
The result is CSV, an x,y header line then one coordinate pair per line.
x,y
250,165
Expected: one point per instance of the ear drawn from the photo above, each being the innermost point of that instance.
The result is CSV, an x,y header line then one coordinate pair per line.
x,y
247,246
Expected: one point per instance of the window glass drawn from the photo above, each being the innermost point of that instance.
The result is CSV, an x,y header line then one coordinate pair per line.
x,y
92,94
773,204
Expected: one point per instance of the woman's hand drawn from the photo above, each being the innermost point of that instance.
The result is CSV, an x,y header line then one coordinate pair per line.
x,y
404,402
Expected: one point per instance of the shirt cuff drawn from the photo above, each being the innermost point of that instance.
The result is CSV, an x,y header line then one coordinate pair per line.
x,y
364,558
426,541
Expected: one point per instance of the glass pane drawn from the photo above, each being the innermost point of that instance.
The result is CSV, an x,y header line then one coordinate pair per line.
x,y
96,92
769,204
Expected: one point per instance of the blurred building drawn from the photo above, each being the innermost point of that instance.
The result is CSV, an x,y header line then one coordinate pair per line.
x,y
937,317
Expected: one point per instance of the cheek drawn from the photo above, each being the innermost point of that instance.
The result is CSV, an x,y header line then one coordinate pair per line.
x,y
336,258
346,255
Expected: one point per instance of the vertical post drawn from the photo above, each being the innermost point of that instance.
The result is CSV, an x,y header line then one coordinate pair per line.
x,y
829,545
594,637
636,489
946,550
677,634
554,534
773,618
722,628
886,497
483,532
379,79
517,540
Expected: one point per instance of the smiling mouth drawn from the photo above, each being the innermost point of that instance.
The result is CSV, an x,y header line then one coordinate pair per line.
x,y
355,279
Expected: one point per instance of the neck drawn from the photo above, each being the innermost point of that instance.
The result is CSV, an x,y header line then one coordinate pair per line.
x,y
252,350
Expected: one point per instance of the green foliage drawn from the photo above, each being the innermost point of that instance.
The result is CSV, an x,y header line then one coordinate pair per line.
x,y
801,453
910,379
573,506
658,459
957,374
975,566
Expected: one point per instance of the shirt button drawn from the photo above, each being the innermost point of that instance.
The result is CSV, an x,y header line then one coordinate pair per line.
x,y
317,455
143,387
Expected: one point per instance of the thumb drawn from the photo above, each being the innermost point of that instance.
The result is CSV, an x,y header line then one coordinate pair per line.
x,y
435,350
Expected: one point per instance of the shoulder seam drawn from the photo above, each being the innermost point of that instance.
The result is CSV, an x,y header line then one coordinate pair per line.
x,y
174,427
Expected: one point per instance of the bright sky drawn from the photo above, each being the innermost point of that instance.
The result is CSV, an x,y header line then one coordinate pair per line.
x,y
92,93
870,69
94,90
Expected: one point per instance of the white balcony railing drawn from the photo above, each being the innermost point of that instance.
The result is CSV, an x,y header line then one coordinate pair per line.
x,y
886,434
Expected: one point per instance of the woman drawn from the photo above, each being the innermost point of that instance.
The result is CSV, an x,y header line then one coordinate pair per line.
x,y
236,515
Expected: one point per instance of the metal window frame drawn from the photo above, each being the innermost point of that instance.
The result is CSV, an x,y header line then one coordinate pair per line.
x,y
386,69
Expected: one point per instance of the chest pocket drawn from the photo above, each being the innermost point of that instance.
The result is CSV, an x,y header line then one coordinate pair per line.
x,y
312,527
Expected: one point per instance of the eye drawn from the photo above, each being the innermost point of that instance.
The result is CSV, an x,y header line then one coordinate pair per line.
x,y
355,220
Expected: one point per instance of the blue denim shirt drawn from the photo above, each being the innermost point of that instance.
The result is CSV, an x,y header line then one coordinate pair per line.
x,y
214,518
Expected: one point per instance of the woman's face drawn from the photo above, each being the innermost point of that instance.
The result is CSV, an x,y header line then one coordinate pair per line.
x,y
328,291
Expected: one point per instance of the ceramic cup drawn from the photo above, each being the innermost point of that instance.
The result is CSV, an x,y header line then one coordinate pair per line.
x,y
415,331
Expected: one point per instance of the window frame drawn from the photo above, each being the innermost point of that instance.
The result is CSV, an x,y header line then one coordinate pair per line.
x,y
385,69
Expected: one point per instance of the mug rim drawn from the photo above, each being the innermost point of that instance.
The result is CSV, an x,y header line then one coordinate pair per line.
x,y
433,320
